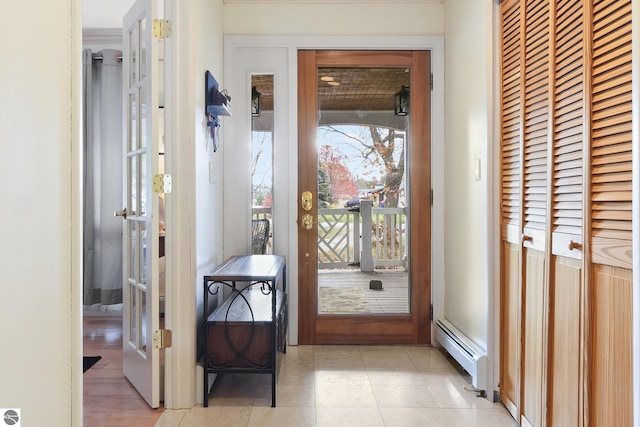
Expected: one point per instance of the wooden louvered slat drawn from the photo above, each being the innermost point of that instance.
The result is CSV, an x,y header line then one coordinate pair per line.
x,y
623,176
536,117
568,118
611,136
511,120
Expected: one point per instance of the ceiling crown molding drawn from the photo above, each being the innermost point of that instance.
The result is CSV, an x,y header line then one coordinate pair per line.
x,y
102,36
328,1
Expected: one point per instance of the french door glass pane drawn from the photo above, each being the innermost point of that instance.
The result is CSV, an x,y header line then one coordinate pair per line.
x,y
133,184
133,317
143,48
143,320
133,124
134,37
133,251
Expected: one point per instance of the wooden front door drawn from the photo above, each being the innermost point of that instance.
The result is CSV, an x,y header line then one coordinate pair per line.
x,y
411,325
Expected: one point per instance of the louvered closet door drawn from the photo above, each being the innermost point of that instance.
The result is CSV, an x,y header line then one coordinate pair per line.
x,y
610,210
511,138
535,173
566,284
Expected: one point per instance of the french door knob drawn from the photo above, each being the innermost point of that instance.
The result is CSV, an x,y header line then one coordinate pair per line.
x,y
122,213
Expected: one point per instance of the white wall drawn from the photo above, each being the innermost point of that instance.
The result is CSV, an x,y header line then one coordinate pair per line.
x,y
468,113
206,23
206,55
334,18
40,213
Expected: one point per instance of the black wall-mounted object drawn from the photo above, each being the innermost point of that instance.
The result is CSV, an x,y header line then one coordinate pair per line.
x,y
217,103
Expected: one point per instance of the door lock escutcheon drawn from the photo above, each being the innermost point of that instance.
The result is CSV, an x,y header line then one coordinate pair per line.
x,y
307,200
307,222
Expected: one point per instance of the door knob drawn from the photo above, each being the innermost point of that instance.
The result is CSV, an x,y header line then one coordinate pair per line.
x,y
575,245
122,213
307,222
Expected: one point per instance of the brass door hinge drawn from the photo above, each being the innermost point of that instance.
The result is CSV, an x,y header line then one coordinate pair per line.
x,y
161,29
162,338
162,183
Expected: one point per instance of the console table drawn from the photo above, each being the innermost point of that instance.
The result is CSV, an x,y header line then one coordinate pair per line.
x,y
245,333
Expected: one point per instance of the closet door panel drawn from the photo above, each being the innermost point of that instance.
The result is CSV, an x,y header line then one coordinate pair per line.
x,y
564,376
535,181
511,206
510,327
566,288
610,289
533,330
611,364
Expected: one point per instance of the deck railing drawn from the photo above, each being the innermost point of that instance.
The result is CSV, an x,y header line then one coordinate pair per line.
x,y
338,238
369,237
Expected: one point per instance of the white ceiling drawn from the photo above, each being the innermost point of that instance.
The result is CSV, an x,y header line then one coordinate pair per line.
x,y
101,14
104,13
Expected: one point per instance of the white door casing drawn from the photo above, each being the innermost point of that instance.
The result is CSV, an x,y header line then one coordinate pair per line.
x,y
245,55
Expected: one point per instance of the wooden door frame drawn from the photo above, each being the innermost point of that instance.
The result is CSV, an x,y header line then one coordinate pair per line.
x,y
414,328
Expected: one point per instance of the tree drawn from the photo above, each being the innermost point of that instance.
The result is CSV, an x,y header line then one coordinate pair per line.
x,y
261,169
324,189
377,146
331,161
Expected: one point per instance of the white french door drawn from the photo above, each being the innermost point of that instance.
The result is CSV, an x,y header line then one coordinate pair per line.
x,y
142,117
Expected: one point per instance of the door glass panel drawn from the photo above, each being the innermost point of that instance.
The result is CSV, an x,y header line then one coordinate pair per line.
x,y
133,184
143,48
142,176
133,60
143,117
133,320
362,199
143,320
146,251
133,129
262,163
133,251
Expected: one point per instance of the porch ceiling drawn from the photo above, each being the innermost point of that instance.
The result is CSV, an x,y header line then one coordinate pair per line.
x,y
359,89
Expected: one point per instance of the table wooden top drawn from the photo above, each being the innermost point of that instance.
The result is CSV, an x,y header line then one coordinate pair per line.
x,y
249,268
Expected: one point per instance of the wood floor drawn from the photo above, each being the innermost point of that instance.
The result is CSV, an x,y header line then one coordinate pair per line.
x,y
392,298
109,399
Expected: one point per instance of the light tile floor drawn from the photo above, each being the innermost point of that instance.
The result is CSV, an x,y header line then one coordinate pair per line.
x,y
348,386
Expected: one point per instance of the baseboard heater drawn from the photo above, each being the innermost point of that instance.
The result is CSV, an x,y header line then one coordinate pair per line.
x,y
471,357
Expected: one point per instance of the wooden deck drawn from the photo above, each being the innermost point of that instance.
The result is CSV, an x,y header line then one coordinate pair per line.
x,y
393,298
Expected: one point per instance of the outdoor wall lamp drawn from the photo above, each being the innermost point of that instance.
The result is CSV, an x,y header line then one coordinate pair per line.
x,y
256,101
401,102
